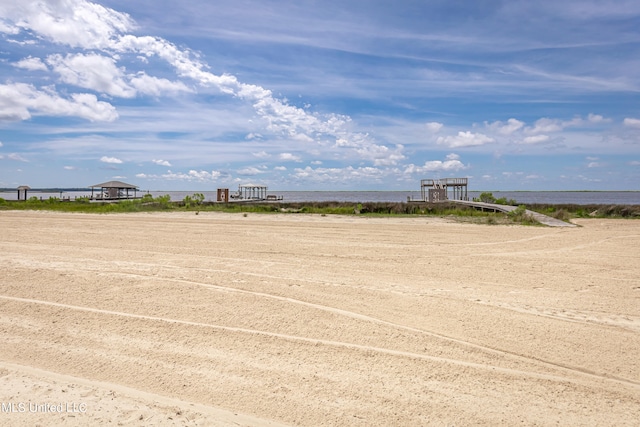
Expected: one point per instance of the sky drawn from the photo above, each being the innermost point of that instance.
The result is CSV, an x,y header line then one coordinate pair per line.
x,y
320,95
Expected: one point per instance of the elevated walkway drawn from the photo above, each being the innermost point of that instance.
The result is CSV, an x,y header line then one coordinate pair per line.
x,y
542,219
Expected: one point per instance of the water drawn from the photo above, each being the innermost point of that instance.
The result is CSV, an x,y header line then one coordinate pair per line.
x,y
524,197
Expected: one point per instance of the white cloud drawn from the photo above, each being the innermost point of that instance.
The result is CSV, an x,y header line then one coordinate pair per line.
x,y
535,139
112,160
18,101
161,162
17,157
465,139
75,23
250,171
289,157
192,175
434,127
451,164
204,175
92,71
631,122
70,168
596,118
594,165
512,125
545,125
339,175
261,154
149,85
280,168
32,64
634,163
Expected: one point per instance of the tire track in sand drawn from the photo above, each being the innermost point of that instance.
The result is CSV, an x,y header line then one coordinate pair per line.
x,y
359,347
364,317
355,315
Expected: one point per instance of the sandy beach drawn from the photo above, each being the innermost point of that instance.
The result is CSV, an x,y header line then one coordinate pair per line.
x,y
304,320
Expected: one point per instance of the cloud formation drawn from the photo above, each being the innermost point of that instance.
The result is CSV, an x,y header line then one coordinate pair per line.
x,y
451,164
112,160
631,122
465,139
393,97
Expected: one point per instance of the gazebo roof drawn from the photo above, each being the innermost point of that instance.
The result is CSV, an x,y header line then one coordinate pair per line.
x,y
114,184
24,187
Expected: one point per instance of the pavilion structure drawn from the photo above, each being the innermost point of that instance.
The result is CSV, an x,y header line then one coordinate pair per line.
x,y
437,190
114,190
22,192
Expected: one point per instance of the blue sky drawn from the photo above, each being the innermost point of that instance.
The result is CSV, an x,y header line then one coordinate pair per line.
x,y
331,95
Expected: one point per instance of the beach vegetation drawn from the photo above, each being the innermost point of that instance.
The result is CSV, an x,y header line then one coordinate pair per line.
x,y
521,216
460,213
566,212
193,200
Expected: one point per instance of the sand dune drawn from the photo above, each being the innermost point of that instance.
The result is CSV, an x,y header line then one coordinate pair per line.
x,y
221,319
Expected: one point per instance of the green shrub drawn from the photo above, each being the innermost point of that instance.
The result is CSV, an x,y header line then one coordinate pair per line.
x,y
521,216
485,197
194,199
163,201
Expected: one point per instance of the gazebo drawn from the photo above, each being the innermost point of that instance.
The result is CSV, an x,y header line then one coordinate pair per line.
x,y
22,192
114,190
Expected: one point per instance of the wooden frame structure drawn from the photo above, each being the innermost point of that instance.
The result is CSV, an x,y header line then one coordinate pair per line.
x,y
436,190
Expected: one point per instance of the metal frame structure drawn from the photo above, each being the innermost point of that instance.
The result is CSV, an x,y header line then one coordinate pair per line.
x,y
252,192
